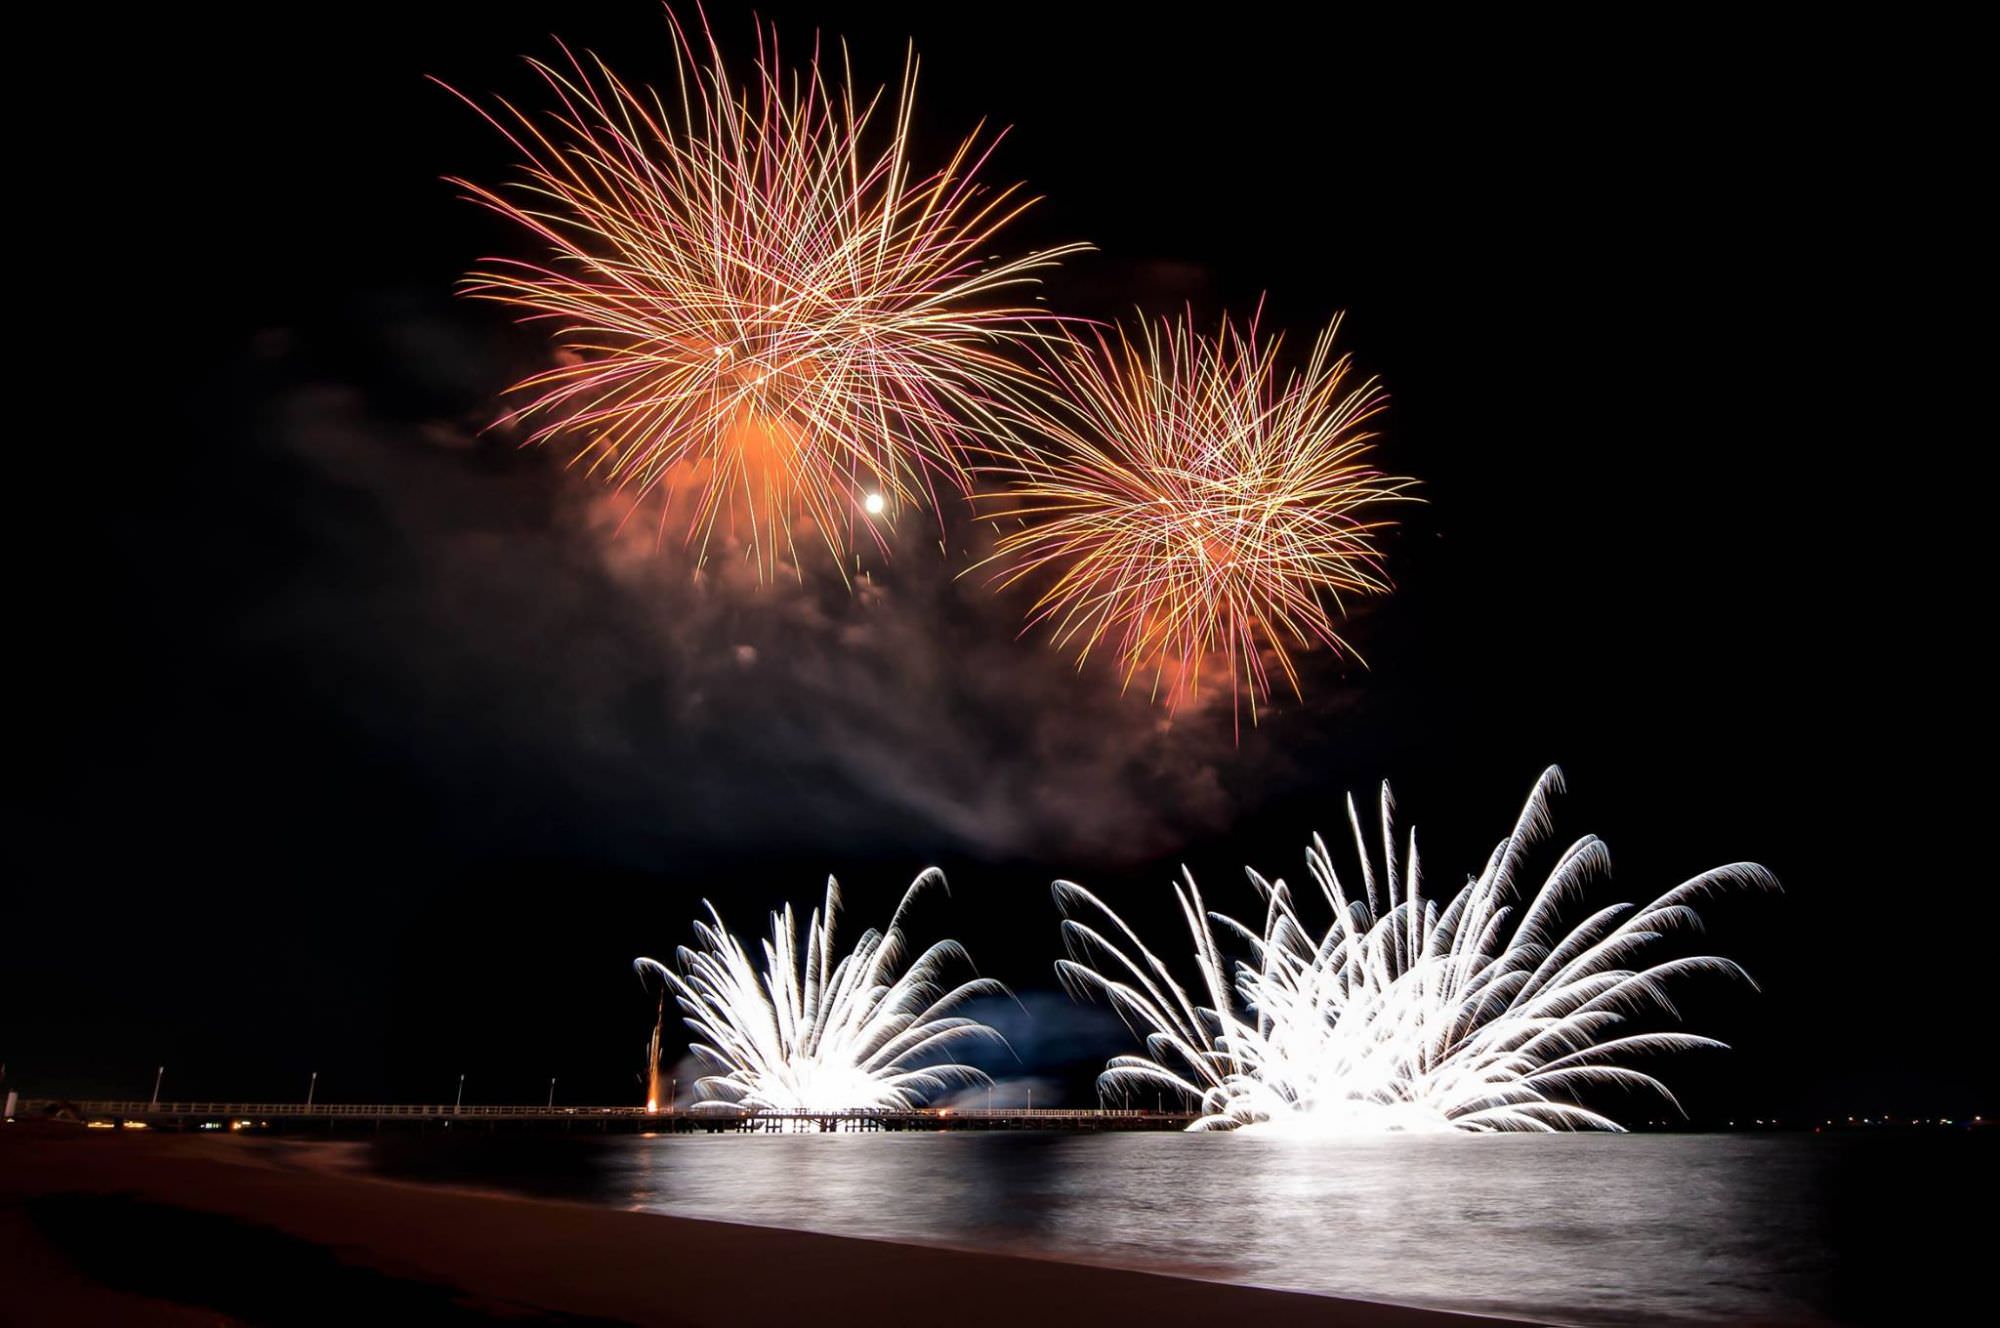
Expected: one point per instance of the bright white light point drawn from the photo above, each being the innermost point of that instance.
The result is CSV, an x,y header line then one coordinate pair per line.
x,y
874,502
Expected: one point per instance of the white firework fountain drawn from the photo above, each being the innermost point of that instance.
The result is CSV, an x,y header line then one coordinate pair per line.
x,y
1401,1015
802,1032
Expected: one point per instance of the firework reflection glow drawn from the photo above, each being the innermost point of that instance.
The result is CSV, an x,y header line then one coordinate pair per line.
x,y
805,1033
1400,1015
759,305
1190,504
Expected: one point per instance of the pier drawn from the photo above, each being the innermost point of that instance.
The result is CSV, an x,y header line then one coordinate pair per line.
x,y
366,1118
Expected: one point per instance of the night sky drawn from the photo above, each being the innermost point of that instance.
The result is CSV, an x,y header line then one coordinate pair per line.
x,y
348,743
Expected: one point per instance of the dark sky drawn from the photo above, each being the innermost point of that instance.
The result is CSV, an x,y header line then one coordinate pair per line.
x,y
350,745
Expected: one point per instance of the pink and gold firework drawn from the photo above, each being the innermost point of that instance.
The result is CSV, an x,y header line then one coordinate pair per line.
x,y
765,321
1192,509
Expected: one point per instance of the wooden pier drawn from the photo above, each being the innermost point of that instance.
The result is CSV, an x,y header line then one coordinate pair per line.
x,y
357,1118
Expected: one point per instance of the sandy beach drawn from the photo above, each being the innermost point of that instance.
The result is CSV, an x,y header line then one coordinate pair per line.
x,y
104,1227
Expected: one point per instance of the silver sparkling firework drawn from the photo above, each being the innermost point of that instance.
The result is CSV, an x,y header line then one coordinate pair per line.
x,y
802,1032
1482,1014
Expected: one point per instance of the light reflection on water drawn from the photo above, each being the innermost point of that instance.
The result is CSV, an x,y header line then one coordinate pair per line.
x,y
1571,1228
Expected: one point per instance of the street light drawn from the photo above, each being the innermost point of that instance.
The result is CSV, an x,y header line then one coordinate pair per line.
x,y
459,1101
552,1092
312,1086
159,1075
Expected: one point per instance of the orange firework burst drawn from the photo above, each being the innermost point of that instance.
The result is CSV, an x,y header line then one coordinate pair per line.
x,y
1191,505
759,313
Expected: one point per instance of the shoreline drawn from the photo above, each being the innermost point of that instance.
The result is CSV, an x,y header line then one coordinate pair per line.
x,y
173,1229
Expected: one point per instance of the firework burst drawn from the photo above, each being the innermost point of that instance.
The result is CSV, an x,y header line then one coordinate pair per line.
x,y
1191,505
765,318
1400,1015
804,1033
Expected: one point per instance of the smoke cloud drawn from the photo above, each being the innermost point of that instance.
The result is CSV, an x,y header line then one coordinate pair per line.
x,y
508,610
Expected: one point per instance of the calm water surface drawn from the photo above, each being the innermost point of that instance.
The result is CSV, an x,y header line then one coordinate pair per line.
x,y
1585,1229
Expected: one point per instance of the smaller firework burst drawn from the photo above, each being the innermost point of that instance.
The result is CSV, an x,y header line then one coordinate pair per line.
x,y
802,1032
1401,1015
1193,505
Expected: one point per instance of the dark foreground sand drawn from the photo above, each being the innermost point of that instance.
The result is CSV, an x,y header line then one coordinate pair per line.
x,y
126,1228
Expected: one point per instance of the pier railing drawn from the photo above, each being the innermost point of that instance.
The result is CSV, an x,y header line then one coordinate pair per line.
x,y
712,1117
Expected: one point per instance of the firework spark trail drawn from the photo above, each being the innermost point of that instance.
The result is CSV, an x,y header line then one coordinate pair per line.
x,y
757,304
805,1033
654,1048
1482,1015
1191,503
